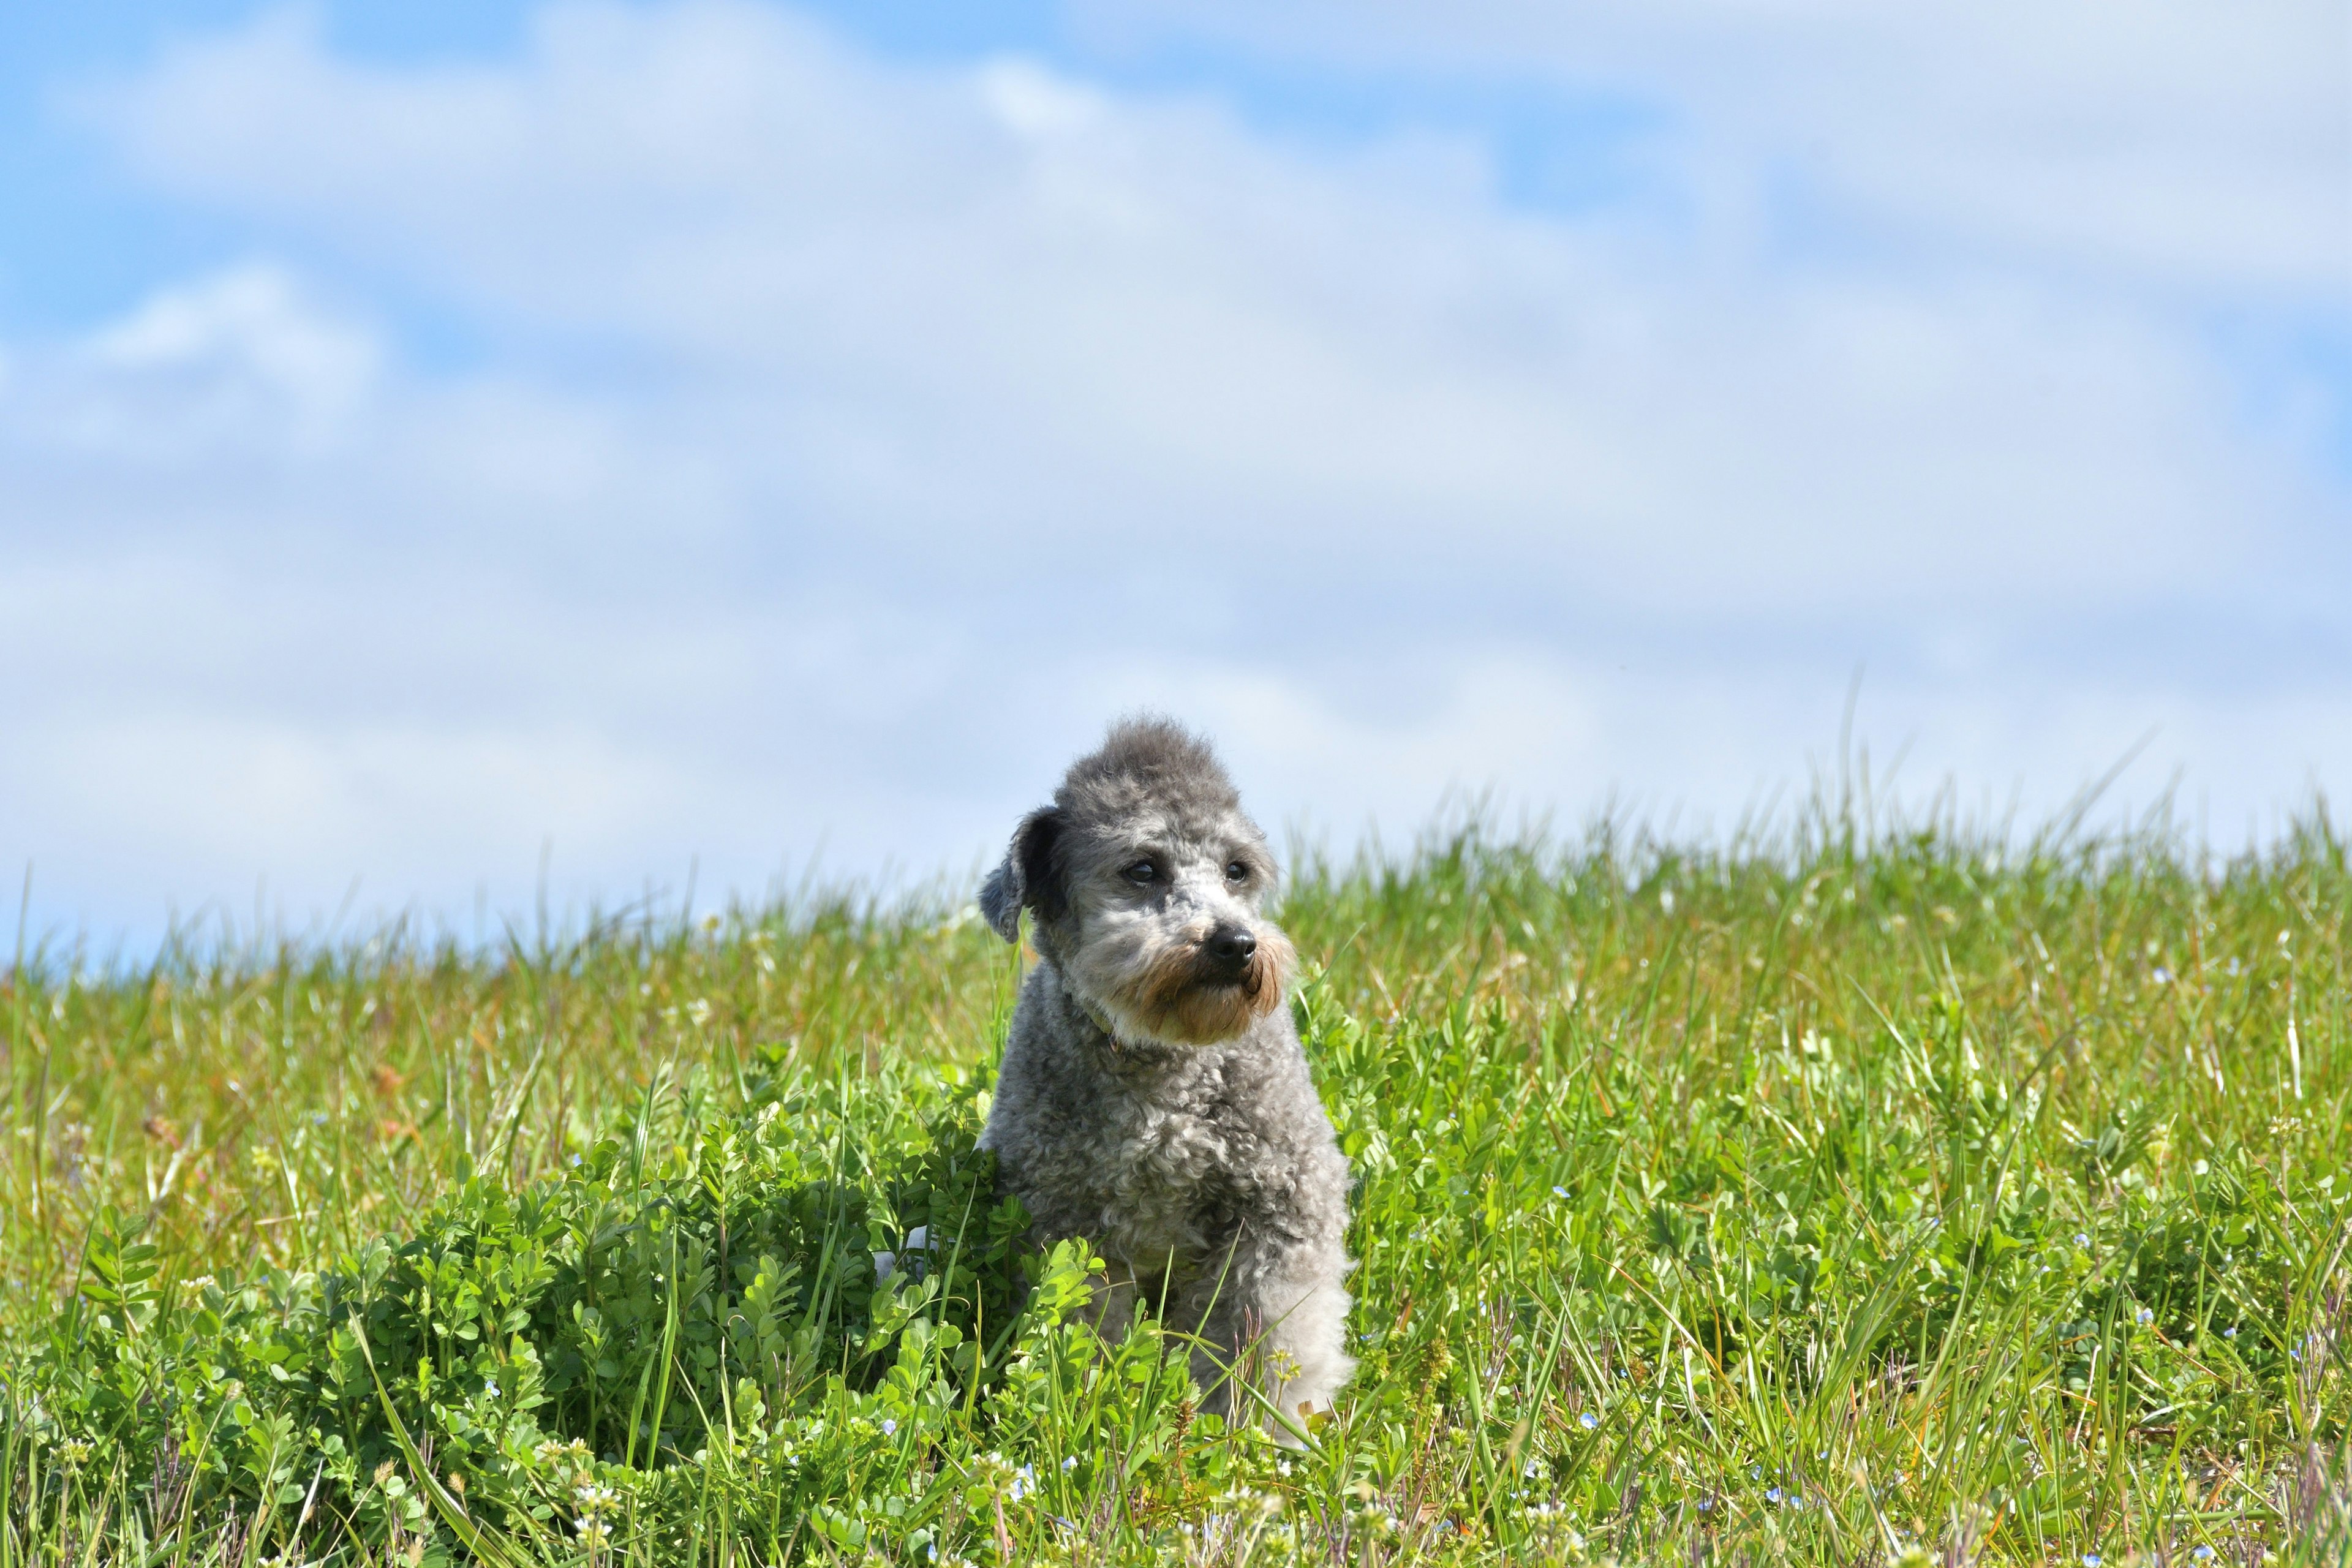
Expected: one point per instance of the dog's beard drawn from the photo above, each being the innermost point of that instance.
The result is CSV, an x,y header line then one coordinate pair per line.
x,y
1177,996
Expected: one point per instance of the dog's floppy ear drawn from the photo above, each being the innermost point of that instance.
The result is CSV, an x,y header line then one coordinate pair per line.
x,y
1026,877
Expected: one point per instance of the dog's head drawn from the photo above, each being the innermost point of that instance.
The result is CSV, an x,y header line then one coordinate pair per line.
x,y
1146,886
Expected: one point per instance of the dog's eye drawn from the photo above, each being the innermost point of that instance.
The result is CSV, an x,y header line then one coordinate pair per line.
x,y
1141,872
1237,872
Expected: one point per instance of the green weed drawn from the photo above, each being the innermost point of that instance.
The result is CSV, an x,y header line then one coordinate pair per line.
x,y
1896,1196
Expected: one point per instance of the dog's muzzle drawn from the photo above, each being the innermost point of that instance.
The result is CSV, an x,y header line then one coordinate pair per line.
x,y
1209,988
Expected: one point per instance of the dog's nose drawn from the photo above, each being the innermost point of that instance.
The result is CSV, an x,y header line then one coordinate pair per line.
x,y
1233,947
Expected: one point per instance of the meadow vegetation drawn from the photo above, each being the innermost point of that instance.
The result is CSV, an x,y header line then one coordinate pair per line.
x,y
1851,1196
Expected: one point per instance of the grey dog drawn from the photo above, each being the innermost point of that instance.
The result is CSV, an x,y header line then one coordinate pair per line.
x,y
1154,1099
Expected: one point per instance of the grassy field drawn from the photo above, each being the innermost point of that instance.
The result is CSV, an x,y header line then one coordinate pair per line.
x,y
1900,1197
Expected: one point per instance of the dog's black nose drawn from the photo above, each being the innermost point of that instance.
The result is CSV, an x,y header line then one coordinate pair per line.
x,y
1233,947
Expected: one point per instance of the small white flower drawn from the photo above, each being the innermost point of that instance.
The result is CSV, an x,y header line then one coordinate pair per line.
x,y
490,1389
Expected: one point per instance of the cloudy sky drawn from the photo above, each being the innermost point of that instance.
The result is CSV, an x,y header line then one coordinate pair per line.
x,y
445,439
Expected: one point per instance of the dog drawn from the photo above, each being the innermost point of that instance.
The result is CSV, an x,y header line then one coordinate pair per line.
x,y
1153,1098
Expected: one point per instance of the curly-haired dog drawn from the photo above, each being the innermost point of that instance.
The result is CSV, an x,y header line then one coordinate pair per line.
x,y
1153,1098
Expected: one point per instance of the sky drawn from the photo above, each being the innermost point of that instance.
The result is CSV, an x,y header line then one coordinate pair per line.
x,y
462,456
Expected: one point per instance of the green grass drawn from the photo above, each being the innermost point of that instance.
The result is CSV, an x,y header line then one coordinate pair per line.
x,y
1843,1198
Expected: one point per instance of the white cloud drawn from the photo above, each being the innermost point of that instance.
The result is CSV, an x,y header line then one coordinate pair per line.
x,y
2200,146
232,364
998,299
852,437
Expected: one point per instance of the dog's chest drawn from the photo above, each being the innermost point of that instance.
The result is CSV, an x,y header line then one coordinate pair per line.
x,y
1179,1132
1167,1157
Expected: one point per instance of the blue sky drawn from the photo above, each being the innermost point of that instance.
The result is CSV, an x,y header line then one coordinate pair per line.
x,y
727,435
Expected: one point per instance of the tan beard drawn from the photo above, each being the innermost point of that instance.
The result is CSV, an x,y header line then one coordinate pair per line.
x,y
1168,1000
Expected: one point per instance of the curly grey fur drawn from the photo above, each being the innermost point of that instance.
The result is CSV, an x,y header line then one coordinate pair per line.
x,y
1153,1098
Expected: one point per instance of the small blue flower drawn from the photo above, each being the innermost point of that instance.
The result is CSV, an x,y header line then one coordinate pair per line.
x,y
490,1389
889,1427
2090,1560
1772,1494
2146,1317
2231,1332
1588,1421
2203,1554
2081,1239
1559,1192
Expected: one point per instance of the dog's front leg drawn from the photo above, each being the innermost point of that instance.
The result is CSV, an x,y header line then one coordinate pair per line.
x,y
1272,1316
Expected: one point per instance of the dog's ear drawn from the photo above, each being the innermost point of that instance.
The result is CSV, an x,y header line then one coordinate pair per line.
x,y
1026,877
